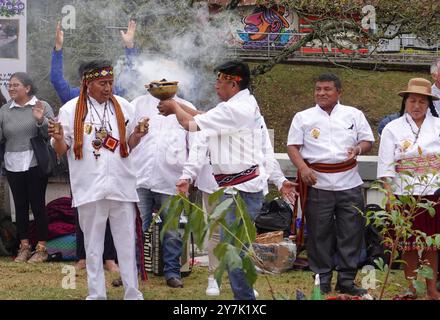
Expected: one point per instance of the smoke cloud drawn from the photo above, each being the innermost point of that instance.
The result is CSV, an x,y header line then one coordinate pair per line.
x,y
180,43
177,42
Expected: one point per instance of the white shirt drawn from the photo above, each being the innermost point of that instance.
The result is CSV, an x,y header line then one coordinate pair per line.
x,y
397,142
272,170
19,161
436,92
161,154
326,138
236,137
110,176
198,167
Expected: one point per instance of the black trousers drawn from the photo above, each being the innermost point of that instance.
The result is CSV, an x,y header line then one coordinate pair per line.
x,y
335,227
109,247
29,187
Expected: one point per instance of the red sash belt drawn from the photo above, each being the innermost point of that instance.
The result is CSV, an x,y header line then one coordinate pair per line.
x,y
227,180
302,189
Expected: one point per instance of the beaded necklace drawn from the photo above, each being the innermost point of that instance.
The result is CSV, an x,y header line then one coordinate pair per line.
x,y
416,134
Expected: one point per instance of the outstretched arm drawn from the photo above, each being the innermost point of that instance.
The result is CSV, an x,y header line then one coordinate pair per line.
x,y
185,115
128,36
128,75
61,86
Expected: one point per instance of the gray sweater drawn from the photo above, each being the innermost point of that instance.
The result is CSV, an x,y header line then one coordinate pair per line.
x,y
18,126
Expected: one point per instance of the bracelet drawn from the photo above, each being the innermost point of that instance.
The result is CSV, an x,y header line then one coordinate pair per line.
x,y
360,150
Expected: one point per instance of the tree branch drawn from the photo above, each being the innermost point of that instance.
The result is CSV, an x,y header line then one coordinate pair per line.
x,y
284,54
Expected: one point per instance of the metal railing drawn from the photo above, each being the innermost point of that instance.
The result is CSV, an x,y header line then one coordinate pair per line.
x,y
404,49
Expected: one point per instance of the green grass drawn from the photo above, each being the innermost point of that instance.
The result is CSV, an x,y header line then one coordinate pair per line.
x,y
43,282
281,93
288,89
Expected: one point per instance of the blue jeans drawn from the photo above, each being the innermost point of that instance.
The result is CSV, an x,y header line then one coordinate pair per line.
x,y
254,202
172,241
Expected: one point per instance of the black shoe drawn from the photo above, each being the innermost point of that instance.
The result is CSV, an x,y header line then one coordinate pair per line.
x,y
351,290
117,282
325,288
174,283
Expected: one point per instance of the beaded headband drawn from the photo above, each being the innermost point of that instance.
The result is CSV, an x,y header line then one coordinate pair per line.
x,y
102,73
228,77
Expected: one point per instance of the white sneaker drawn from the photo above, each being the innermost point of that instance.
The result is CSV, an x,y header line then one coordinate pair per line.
x,y
213,289
256,294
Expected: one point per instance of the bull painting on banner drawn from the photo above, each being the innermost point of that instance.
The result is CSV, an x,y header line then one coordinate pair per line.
x,y
12,40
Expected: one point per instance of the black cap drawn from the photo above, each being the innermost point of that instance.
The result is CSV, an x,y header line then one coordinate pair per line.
x,y
236,68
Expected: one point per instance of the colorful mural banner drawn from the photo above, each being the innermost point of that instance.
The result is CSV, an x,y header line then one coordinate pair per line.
x,y
12,40
261,27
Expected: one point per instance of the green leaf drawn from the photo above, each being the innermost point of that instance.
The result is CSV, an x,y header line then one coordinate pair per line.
x,y
198,226
220,250
232,257
218,274
249,225
420,286
172,217
379,263
426,272
406,173
186,204
406,200
215,197
221,208
241,236
249,270
431,211
437,240
428,241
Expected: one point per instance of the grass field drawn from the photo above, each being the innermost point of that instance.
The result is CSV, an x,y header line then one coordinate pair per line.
x,y
281,93
44,282
288,88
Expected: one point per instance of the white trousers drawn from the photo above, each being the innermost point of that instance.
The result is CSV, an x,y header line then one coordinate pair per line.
x,y
92,219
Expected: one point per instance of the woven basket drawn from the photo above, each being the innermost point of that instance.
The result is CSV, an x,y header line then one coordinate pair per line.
x,y
270,237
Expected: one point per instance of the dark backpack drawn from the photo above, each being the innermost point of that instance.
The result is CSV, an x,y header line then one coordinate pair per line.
x,y
275,215
8,237
373,240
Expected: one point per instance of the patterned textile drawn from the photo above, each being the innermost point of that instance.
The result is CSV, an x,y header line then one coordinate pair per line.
x,y
419,164
104,73
228,77
226,180
61,219
65,245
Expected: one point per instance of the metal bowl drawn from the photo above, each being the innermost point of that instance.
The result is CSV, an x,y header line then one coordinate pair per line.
x,y
163,89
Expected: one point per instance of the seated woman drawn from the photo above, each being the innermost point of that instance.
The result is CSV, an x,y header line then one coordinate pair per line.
x,y
414,138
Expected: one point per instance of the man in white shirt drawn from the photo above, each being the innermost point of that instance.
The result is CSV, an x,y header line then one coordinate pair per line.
x,y
323,143
234,136
435,73
159,159
96,131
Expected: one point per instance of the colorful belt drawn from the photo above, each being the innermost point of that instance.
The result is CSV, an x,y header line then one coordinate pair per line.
x,y
227,180
423,164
